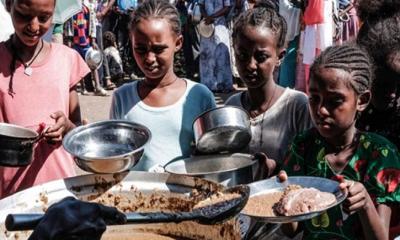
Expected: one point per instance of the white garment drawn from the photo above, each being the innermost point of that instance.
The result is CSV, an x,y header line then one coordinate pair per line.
x,y
319,36
170,126
6,26
273,131
292,16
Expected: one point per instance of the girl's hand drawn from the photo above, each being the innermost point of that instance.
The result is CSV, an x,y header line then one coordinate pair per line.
x,y
209,20
266,166
56,132
357,198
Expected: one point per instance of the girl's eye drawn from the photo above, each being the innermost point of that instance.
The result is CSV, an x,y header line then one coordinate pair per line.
x,y
260,57
242,56
158,50
335,102
44,19
313,99
140,50
23,16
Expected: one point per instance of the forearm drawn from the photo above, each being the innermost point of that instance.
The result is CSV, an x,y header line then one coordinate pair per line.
x,y
372,223
290,229
74,111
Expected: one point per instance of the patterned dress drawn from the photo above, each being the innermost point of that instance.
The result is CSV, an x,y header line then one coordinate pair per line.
x,y
376,164
215,63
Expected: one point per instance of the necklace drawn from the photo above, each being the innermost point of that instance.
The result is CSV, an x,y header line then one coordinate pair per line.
x,y
261,141
160,86
27,66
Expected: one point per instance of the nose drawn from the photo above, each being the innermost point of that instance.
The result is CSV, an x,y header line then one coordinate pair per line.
x,y
251,65
150,57
322,111
34,25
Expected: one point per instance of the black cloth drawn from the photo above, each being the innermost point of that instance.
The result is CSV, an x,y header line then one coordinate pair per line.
x,y
74,219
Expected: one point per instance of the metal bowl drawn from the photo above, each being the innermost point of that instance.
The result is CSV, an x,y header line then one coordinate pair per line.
x,y
227,169
108,146
223,129
94,58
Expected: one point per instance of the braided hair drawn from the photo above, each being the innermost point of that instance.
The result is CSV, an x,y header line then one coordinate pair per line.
x,y
161,9
262,16
350,58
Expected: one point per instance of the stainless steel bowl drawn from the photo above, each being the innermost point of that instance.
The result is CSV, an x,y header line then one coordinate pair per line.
x,y
223,129
227,169
107,146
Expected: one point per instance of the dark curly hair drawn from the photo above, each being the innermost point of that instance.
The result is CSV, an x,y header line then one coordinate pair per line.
x,y
350,58
157,9
109,39
380,37
375,9
266,16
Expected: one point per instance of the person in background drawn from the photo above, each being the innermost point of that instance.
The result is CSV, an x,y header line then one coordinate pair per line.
x,y
58,33
367,164
37,82
113,57
277,113
162,101
84,25
102,11
215,62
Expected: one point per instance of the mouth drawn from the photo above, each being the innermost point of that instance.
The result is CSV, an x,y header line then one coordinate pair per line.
x,y
323,124
32,35
152,68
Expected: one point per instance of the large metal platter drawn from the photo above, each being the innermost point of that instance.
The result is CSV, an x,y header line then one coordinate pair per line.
x,y
32,200
274,185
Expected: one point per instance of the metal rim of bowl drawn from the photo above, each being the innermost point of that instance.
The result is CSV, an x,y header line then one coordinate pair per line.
x,y
217,108
21,128
215,172
83,127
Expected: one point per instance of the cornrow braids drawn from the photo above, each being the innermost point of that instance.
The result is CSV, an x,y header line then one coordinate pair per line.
x,y
380,37
375,9
161,9
262,16
350,58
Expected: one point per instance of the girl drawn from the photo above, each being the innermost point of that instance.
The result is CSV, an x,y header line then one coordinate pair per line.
x,y
339,91
277,113
35,89
163,102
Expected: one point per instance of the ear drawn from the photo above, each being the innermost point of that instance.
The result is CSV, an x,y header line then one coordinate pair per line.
x,y
363,100
178,43
281,55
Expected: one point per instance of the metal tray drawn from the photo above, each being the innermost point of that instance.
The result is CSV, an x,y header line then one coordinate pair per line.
x,y
33,200
274,185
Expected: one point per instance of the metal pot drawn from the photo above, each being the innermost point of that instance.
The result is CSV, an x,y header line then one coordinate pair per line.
x,y
227,169
223,129
94,58
107,146
16,145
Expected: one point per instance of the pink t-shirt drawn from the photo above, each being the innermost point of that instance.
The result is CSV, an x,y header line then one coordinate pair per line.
x,y
36,97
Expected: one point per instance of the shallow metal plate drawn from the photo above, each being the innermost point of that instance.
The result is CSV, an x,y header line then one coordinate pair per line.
x,y
32,201
274,185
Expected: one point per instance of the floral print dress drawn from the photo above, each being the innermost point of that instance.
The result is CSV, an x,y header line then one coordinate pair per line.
x,y
376,164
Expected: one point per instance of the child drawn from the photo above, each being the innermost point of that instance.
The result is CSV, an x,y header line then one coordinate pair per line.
x,y
34,89
340,79
84,25
163,102
277,113
112,55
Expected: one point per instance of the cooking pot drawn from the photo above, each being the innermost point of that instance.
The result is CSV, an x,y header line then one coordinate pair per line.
x,y
16,145
222,129
227,169
93,58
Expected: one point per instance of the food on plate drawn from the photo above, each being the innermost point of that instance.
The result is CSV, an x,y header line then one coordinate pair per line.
x,y
297,200
294,200
216,198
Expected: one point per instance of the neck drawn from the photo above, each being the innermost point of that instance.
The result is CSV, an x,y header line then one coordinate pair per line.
x,y
24,52
167,80
344,141
261,98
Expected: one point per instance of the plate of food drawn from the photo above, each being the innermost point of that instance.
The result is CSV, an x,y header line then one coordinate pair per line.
x,y
297,199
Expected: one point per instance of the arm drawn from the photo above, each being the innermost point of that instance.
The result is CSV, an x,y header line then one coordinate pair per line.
x,y
372,223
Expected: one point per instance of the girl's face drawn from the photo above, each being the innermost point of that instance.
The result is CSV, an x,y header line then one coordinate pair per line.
x,y
257,55
333,102
31,19
154,45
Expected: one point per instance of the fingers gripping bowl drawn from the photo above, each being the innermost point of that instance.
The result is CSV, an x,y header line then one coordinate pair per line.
x,y
108,146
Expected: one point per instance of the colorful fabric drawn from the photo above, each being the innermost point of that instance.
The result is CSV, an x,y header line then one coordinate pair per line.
x,y
376,164
36,97
84,24
314,12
